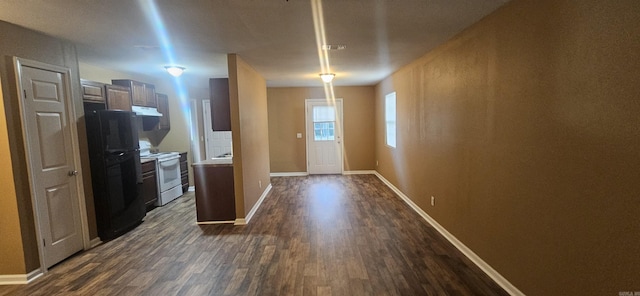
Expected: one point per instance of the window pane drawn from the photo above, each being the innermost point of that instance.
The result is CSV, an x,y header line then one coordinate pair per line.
x,y
391,134
324,118
324,113
390,118
323,131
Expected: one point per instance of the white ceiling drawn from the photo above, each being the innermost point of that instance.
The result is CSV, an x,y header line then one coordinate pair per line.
x,y
276,37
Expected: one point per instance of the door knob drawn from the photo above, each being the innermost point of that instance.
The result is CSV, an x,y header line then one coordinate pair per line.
x,y
73,173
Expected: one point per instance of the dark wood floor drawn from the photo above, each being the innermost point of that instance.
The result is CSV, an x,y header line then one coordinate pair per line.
x,y
317,235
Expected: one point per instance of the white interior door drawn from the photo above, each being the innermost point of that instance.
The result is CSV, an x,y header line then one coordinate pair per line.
x,y
208,131
48,134
324,136
217,143
194,134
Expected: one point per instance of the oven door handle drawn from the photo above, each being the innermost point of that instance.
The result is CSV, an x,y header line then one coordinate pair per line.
x,y
169,158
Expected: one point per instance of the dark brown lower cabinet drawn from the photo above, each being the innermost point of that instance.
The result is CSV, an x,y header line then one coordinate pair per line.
x,y
184,172
215,196
149,184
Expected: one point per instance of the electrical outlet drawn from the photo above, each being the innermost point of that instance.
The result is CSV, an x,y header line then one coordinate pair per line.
x,y
433,201
376,163
260,183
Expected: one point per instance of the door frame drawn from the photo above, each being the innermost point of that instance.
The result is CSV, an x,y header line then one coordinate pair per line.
x,y
194,131
71,112
339,126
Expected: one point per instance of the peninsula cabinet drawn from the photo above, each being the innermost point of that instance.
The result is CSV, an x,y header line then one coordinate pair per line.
x,y
142,94
118,97
215,195
220,107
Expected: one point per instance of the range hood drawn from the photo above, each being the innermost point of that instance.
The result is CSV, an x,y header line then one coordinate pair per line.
x,y
145,111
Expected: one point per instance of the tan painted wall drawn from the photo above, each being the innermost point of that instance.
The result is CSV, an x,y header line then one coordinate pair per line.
x,y
250,134
525,128
12,258
287,117
103,75
27,44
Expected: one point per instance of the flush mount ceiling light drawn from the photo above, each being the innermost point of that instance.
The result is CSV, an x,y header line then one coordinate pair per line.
x,y
175,71
327,77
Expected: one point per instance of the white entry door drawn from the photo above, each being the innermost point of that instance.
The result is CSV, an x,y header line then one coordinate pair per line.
x,y
324,136
46,118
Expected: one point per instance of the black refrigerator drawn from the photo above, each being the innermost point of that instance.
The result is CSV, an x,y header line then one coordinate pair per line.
x,y
116,174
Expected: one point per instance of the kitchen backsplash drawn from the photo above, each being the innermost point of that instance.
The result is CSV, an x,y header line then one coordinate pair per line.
x,y
221,143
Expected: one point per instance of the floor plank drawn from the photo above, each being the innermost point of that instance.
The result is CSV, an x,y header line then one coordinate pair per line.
x,y
315,235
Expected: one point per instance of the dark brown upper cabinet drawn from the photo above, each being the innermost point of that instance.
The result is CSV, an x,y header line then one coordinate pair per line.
x,y
142,94
220,108
118,97
163,107
93,91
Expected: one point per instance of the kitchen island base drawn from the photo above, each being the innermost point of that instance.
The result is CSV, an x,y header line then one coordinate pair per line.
x,y
215,195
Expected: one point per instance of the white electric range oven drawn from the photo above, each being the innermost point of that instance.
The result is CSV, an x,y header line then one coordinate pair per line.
x,y
167,171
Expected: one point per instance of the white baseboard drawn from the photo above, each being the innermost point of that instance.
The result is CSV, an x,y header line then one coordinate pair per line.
x,y
191,188
290,174
303,174
257,205
244,221
95,242
20,279
492,273
359,172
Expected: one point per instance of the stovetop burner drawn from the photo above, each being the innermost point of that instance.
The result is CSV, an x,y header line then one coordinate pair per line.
x,y
145,152
161,155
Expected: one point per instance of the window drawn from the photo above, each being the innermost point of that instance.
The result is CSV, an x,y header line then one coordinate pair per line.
x,y
324,118
390,118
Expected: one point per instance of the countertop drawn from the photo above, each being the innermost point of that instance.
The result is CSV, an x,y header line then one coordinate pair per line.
x,y
226,161
143,160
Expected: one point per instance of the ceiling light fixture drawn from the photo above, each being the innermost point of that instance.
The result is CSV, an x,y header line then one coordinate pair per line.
x,y
327,77
175,71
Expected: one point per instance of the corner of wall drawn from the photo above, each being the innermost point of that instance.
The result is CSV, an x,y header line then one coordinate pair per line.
x,y
12,256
